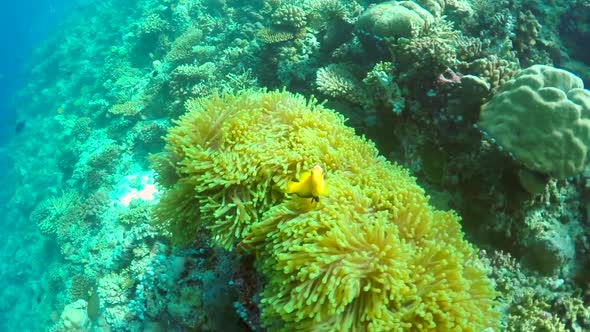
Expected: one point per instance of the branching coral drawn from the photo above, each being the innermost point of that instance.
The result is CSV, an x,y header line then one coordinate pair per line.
x,y
534,303
526,34
495,71
289,17
383,88
371,255
432,50
337,81
55,215
269,36
184,77
153,24
324,13
181,50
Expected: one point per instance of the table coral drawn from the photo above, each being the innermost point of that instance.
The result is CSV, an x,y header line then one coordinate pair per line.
x,y
371,255
181,49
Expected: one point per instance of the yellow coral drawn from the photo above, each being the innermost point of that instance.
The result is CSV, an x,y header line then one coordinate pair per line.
x,y
372,255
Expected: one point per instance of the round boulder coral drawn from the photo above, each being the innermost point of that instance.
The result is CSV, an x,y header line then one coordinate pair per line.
x,y
542,118
394,19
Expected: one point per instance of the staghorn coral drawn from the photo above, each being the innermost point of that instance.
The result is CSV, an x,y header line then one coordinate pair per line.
x,y
371,255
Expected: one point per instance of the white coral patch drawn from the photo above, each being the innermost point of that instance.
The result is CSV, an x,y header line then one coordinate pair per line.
x,y
135,186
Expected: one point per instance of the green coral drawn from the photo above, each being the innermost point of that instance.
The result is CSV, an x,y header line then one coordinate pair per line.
x,y
182,47
289,17
542,117
535,303
337,81
371,255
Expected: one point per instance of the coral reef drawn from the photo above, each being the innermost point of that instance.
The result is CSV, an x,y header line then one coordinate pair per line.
x,y
94,240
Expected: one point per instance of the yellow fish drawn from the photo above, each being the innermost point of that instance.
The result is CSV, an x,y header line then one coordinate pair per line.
x,y
309,185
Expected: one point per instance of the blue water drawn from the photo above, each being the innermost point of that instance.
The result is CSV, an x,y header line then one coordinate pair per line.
x,y
23,24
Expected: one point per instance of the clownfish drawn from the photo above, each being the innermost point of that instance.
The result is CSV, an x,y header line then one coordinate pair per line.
x,y
309,185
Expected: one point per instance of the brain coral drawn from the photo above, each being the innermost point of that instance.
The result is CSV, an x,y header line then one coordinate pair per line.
x,y
542,117
395,19
371,255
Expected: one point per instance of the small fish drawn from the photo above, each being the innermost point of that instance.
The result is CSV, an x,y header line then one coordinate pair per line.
x,y
20,125
309,185
60,110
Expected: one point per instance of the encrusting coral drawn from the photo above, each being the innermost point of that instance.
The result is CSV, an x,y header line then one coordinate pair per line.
x,y
370,255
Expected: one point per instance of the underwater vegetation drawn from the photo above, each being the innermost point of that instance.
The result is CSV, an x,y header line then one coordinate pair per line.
x,y
315,165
